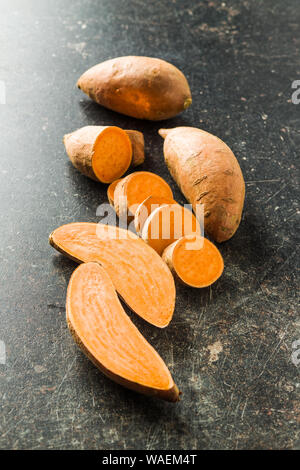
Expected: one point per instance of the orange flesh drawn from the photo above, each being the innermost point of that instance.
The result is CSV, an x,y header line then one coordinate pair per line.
x,y
96,315
143,184
112,154
146,208
139,275
198,268
167,224
111,190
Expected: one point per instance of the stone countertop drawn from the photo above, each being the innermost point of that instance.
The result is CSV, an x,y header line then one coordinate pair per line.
x,y
241,58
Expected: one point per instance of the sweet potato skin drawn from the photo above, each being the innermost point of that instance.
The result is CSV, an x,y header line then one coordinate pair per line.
x,y
141,87
207,172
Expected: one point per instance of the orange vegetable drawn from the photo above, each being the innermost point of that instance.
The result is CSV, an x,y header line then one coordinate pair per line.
x,y
103,153
166,224
146,208
139,275
138,147
107,336
194,260
135,188
141,87
207,172
111,192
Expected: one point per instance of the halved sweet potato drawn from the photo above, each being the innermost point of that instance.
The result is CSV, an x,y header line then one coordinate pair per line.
x,y
110,340
139,275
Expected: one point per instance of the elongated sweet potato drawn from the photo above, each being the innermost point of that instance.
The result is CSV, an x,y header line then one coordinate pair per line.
x,y
168,223
195,267
101,153
141,87
139,275
207,172
107,336
135,188
146,208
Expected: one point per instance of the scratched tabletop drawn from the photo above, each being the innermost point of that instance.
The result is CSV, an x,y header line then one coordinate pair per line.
x,y
233,348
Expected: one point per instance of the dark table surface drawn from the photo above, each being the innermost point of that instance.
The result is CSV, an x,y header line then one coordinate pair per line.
x,y
240,58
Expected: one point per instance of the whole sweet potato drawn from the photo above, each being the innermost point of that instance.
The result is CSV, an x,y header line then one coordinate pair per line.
x,y
141,87
207,172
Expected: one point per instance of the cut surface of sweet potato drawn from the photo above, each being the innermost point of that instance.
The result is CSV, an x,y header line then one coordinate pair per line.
x,y
103,153
139,275
194,266
105,333
146,208
111,191
168,223
135,188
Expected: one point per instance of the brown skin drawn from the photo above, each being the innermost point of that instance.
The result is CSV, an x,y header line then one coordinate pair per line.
x,y
103,153
194,261
207,172
93,306
141,87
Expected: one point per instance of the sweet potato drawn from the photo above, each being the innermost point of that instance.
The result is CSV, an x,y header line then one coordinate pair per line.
x,y
139,275
146,208
135,188
103,153
111,192
166,224
207,172
138,147
198,267
141,87
107,336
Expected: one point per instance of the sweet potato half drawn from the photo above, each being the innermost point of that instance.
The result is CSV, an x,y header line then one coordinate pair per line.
x,y
100,326
141,87
207,172
139,275
194,260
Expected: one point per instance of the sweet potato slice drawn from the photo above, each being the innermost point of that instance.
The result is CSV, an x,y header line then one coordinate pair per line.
x,y
168,223
105,333
207,172
139,275
111,192
194,266
101,153
135,188
146,208
138,147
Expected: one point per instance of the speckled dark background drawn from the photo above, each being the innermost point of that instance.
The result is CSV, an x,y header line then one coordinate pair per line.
x,y
240,58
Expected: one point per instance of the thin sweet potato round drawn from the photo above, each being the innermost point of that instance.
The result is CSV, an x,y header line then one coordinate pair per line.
x,y
141,87
139,275
207,172
135,188
103,153
168,223
194,260
107,336
111,192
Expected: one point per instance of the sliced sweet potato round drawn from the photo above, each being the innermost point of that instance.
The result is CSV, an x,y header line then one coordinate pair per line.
x,y
105,333
194,260
146,208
